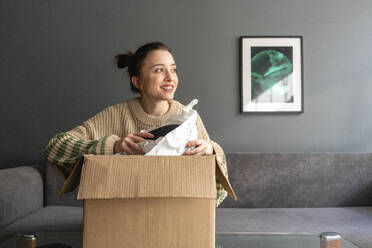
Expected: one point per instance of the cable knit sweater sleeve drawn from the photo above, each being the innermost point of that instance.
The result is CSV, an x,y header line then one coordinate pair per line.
x,y
66,149
220,157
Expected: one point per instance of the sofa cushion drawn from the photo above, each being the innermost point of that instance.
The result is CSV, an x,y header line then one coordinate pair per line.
x,y
51,219
282,180
53,184
354,223
21,192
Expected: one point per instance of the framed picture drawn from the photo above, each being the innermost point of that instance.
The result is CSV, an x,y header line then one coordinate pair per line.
x,y
271,74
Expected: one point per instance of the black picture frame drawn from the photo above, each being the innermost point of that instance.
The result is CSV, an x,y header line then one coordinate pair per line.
x,y
271,74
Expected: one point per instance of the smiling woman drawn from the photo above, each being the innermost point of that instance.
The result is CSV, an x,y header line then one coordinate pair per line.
x,y
153,73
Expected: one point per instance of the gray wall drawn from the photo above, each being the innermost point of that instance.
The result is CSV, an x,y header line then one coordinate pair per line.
x,y
56,68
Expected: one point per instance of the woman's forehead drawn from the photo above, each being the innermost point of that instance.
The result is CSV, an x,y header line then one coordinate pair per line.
x,y
160,57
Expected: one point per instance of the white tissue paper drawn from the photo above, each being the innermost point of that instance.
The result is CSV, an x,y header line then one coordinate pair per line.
x,y
174,142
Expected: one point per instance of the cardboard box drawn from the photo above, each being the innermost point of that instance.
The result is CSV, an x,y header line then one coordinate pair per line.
x,y
149,201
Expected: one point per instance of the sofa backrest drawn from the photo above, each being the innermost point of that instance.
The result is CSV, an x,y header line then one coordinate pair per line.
x,y
21,193
278,180
290,180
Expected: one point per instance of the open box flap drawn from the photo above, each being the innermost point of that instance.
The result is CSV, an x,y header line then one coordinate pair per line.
x,y
224,181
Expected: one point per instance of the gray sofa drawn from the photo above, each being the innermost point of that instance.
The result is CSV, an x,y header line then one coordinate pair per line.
x,y
278,192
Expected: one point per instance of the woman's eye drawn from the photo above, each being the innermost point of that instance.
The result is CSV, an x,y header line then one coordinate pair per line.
x,y
160,70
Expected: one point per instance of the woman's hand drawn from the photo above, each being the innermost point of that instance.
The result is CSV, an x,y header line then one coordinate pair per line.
x,y
129,144
202,147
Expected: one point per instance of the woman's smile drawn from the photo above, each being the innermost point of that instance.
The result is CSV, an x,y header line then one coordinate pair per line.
x,y
167,88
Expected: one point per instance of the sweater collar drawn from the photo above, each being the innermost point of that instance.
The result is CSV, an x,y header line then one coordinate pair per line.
x,y
141,115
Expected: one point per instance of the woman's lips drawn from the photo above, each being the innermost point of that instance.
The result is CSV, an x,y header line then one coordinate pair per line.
x,y
168,91
167,87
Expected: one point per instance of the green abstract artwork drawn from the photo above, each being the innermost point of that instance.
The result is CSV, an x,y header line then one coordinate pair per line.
x,y
271,74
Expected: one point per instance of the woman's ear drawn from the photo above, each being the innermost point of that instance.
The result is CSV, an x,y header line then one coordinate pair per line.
x,y
136,82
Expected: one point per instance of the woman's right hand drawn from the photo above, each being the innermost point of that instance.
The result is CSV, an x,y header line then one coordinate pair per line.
x,y
129,145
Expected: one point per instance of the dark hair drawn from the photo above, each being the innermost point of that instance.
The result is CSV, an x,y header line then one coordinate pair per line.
x,y
134,61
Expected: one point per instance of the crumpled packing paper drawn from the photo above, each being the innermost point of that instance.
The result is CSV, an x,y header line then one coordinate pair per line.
x,y
174,142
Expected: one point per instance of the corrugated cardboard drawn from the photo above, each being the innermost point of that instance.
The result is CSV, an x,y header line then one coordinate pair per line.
x,y
149,201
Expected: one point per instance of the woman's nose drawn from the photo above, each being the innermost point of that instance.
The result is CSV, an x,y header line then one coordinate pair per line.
x,y
169,75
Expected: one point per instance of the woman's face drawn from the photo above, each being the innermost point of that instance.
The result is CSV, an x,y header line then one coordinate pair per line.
x,y
158,80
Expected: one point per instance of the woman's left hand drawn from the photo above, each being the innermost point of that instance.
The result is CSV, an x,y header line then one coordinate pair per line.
x,y
202,147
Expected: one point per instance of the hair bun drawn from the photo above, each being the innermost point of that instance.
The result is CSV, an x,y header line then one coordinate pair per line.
x,y
122,60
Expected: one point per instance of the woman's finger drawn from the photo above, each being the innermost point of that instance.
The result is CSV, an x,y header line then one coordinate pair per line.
x,y
196,142
126,149
191,143
199,150
136,138
144,135
133,146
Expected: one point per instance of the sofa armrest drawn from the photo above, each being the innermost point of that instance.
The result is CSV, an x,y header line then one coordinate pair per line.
x,y
21,192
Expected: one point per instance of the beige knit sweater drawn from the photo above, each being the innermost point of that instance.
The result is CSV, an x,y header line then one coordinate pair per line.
x,y
98,135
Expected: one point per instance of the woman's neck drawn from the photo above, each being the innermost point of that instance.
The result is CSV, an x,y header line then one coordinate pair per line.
x,y
155,108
